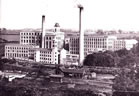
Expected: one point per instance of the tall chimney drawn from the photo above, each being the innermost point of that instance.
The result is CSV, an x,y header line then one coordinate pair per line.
x,y
43,31
81,40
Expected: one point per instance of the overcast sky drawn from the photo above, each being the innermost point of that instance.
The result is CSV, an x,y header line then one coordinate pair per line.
x,y
97,14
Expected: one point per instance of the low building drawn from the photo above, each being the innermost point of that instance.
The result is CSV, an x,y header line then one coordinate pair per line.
x,y
119,44
73,73
56,78
49,56
17,51
124,43
130,43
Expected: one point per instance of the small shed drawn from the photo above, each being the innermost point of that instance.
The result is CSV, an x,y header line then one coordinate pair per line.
x,y
73,73
56,78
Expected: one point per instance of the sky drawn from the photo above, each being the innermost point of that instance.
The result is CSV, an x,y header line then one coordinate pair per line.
x,y
97,14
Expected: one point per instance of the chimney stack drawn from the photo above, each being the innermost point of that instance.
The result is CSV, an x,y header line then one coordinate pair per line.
x,y
43,31
81,40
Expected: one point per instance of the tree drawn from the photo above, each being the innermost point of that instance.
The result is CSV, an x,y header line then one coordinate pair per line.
x,y
99,59
100,32
128,60
124,81
122,52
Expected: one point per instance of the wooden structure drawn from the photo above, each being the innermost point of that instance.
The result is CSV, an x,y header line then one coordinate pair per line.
x,y
56,78
73,73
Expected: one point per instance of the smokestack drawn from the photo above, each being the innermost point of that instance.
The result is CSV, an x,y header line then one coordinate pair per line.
x,y
81,40
43,31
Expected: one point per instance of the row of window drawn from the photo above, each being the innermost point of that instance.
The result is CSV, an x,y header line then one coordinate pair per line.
x,y
41,58
25,33
89,39
95,39
119,47
16,55
49,38
24,37
44,52
72,52
46,55
25,51
91,46
23,48
27,41
46,62
119,44
88,44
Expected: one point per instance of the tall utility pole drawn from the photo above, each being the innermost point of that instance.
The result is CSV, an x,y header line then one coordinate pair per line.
x,y
81,40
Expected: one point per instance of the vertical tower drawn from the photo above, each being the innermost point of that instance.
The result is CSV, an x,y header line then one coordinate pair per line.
x,y
56,27
43,31
0,13
81,41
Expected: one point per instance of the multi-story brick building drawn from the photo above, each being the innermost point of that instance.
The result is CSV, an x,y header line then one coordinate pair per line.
x,y
17,51
91,43
47,46
94,43
31,43
30,38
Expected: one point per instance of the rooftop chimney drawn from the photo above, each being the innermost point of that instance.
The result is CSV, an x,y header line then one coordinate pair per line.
x,y
81,40
43,31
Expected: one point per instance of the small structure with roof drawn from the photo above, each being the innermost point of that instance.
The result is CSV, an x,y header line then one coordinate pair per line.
x,y
56,78
56,27
73,73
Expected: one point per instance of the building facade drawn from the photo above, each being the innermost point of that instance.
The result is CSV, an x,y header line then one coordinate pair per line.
x,y
30,38
54,42
95,43
92,43
17,51
30,46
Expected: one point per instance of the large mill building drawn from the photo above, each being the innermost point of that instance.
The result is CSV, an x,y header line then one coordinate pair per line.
x,y
44,46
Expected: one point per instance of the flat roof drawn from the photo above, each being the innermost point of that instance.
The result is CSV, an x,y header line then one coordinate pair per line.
x,y
92,35
19,45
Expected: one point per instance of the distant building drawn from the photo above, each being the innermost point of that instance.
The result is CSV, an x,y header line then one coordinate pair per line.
x,y
49,56
17,51
124,43
95,43
30,38
129,43
31,43
60,48
119,44
91,43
